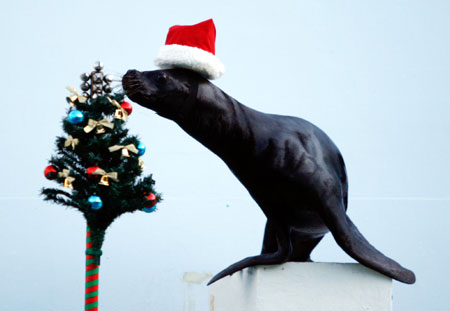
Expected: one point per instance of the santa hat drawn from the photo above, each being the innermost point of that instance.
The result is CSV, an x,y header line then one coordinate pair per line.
x,y
192,47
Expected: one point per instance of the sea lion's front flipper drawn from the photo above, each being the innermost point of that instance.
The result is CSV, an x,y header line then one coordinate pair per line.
x,y
264,259
281,255
354,244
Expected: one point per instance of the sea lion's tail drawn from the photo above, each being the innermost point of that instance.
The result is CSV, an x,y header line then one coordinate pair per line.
x,y
354,244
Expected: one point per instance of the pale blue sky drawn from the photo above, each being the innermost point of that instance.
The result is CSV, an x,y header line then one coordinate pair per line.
x,y
373,74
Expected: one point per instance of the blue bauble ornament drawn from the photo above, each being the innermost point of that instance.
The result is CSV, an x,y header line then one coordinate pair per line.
x,y
96,202
149,209
75,117
141,148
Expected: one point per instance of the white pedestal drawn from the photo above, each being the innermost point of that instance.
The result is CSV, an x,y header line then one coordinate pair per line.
x,y
303,286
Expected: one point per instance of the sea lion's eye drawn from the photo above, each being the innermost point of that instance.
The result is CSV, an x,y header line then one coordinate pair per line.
x,y
161,79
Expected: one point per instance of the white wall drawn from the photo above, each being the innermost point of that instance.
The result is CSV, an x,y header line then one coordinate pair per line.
x,y
373,76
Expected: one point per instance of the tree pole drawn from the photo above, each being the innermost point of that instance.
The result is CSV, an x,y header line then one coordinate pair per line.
x,y
92,274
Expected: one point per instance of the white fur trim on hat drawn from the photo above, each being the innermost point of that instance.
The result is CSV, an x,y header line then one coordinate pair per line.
x,y
175,55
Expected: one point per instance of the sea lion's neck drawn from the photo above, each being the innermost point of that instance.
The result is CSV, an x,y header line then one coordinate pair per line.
x,y
216,119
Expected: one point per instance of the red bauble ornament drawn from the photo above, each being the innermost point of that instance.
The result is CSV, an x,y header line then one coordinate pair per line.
x,y
50,172
127,106
91,170
151,200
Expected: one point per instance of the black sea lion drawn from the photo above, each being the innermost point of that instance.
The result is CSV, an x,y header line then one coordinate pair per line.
x,y
290,167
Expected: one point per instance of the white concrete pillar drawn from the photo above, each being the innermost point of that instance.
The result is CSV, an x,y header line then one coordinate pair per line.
x,y
303,287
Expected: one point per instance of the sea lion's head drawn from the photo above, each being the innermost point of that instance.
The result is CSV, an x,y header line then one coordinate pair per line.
x,y
164,91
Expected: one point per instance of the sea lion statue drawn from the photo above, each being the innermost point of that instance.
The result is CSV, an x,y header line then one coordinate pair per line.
x,y
290,167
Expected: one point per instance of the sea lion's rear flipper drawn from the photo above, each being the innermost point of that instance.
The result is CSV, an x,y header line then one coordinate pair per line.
x,y
354,244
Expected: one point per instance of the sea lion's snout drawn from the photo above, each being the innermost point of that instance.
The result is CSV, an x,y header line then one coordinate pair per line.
x,y
131,74
158,89
132,83
163,91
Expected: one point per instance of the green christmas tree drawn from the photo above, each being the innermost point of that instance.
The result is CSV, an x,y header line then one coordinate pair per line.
x,y
98,164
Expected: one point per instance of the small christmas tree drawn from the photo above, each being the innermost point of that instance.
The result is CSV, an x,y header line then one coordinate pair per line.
x,y
100,164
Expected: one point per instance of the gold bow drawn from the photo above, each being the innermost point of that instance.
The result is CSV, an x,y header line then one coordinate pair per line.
x,y
120,113
68,180
72,99
124,149
141,164
100,125
104,180
70,141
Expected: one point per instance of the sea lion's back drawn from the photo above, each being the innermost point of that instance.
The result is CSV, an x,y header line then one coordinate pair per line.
x,y
296,144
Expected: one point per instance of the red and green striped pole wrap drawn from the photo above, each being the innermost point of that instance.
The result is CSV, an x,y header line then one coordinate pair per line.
x,y
92,270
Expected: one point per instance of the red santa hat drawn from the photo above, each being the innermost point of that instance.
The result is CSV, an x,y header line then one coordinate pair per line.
x,y
192,47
